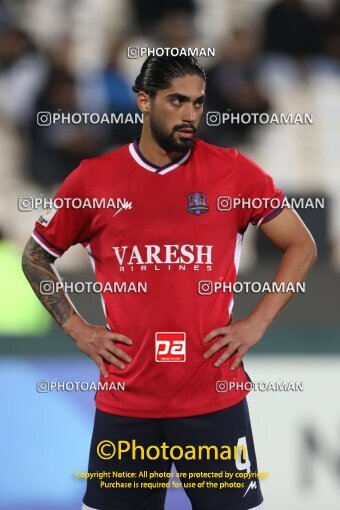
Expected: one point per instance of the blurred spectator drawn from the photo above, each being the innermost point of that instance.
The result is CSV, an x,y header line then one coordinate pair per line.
x,y
22,70
290,28
232,85
331,37
148,13
57,149
175,29
109,90
117,90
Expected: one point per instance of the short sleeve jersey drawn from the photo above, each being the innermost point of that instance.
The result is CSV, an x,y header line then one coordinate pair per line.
x,y
161,241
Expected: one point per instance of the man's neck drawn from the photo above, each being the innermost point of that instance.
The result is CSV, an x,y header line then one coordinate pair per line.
x,y
154,153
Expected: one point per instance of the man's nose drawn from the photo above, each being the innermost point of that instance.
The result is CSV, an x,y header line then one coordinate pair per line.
x,y
189,113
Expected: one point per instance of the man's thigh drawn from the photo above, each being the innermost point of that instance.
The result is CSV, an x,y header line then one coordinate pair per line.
x,y
230,427
101,496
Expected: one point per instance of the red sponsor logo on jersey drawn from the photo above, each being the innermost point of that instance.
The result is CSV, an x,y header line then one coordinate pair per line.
x,y
170,346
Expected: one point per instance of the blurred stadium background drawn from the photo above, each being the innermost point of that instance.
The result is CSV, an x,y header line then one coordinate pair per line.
x,y
271,56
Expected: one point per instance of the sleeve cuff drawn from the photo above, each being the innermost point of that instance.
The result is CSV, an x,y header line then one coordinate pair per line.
x,y
44,243
270,216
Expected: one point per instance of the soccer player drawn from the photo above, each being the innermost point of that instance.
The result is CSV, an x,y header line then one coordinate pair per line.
x,y
171,233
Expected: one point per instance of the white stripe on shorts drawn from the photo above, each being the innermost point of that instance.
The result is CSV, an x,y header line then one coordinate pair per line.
x,y
85,507
259,507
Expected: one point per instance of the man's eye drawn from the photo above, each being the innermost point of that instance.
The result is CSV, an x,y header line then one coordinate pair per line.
x,y
176,101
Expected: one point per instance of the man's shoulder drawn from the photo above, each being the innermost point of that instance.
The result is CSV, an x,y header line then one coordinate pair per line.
x,y
208,150
110,159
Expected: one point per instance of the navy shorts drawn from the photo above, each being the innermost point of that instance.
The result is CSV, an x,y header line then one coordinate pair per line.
x,y
229,426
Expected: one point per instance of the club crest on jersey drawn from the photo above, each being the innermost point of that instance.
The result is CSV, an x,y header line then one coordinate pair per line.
x,y
197,203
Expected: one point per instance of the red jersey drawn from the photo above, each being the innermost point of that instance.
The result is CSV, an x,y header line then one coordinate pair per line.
x,y
163,231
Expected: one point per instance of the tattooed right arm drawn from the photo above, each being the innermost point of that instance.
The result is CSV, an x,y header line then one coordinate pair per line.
x,y
94,341
38,266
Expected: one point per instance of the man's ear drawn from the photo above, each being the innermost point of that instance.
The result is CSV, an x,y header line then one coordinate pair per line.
x,y
143,102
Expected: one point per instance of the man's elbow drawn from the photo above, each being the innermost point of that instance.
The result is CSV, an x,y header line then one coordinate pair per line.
x,y
305,250
311,251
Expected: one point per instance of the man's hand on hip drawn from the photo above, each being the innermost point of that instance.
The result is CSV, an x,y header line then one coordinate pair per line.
x,y
98,343
238,337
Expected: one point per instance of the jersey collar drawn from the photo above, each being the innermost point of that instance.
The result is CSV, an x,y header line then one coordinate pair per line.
x,y
142,161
